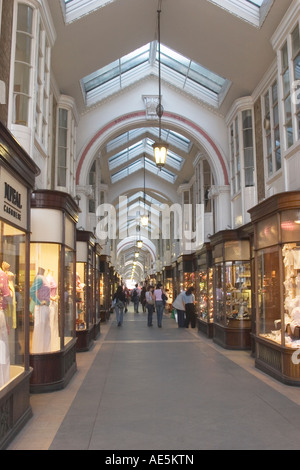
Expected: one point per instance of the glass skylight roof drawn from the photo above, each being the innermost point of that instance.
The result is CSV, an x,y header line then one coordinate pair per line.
x,y
252,11
171,137
75,9
138,165
125,156
176,69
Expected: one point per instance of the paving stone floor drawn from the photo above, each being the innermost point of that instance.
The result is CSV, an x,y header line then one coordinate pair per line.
x,y
149,388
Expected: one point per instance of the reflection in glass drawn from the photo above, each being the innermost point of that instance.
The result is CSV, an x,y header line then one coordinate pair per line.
x,y
12,318
44,299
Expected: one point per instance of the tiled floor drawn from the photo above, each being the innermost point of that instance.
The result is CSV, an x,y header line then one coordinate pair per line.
x,y
169,388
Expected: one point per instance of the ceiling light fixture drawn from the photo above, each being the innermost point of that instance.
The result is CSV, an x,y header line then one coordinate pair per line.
x,y
160,148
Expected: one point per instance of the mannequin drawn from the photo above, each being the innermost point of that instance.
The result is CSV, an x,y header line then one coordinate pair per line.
x,y
11,307
4,331
55,340
40,301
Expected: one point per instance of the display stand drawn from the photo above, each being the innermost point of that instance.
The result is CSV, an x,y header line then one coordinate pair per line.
x,y
85,290
17,176
52,290
204,290
97,291
277,267
232,289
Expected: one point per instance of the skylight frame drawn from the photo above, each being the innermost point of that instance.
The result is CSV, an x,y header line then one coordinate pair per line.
x,y
248,10
73,10
98,86
137,165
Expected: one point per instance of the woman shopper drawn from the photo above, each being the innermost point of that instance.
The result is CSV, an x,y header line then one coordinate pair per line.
x,y
119,300
189,302
179,305
150,300
159,303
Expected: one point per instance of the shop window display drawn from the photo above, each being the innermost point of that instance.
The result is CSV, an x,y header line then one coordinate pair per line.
x,y
277,260
12,288
52,290
85,290
232,289
271,326
17,179
204,290
44,308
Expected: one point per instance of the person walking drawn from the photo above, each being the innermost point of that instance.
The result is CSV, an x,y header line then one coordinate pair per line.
x,y
150,300
159,303
179,305
135,298
119,302
143,298
189,302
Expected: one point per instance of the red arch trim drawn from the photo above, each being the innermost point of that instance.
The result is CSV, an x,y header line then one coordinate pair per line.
x,y
142,113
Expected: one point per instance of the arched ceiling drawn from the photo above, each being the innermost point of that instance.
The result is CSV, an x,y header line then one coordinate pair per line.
x,y
210,52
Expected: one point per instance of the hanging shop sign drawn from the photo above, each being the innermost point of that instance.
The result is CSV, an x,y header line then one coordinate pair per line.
x,y
13,199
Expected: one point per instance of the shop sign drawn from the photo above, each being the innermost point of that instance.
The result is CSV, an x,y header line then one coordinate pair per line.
x,y
13,199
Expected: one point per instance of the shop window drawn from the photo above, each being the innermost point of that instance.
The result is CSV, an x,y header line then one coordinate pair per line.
x,y
296,71
23,65
12,319
62,153
290,76
271,130
248,147
242,152
42,87
0,14
287,115
92,182
235,157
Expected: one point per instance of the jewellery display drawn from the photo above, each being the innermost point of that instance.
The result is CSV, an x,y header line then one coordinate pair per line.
x,y
290,333
204,295
80,300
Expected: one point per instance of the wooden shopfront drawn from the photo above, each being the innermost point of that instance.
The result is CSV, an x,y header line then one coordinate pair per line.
x,y
17,177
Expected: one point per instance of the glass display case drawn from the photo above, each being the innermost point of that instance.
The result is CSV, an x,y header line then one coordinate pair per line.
x,y
204,290
52,290
97,290
232,289
168,286
277,260
185,272
105,303
85,290
17,176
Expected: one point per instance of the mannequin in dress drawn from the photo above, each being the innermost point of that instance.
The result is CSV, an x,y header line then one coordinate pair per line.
x,y
4,331
40,296
55,340
11,307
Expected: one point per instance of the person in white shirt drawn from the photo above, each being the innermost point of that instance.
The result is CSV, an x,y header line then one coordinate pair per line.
x,y
180,307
